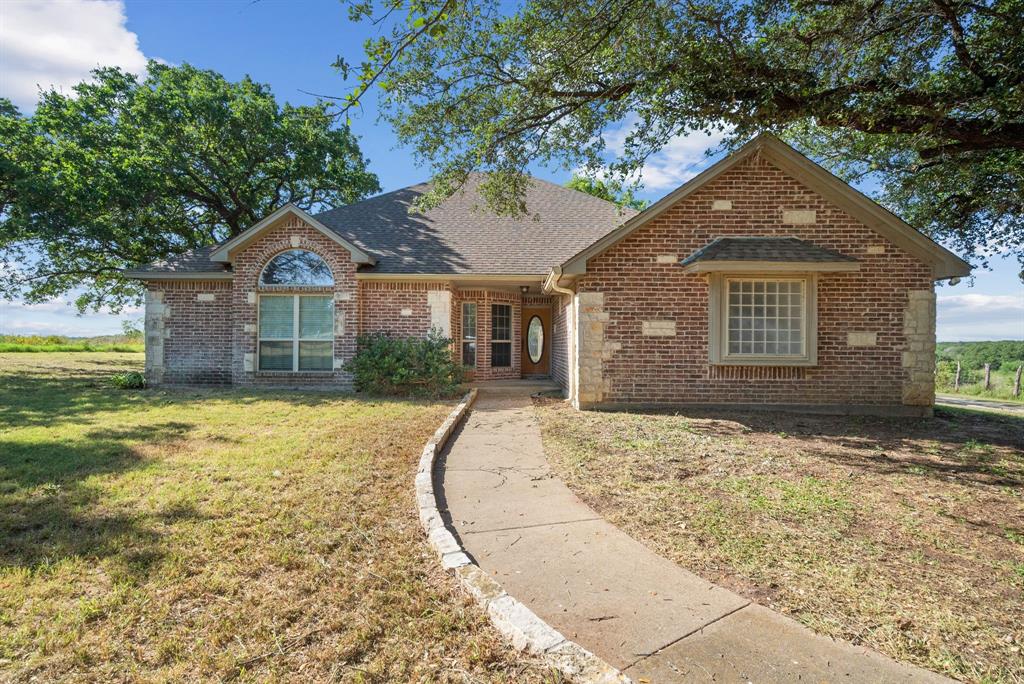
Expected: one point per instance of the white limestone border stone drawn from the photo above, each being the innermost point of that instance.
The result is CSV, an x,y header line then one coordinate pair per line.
x,y
517,623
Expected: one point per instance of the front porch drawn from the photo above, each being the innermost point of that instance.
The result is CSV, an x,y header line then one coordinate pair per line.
x,y
502,328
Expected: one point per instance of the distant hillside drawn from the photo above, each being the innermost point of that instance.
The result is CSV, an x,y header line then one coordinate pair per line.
x,y
976,354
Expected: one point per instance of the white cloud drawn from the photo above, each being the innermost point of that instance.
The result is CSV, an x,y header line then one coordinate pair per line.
x,y
60,317
48,43
968,317
679,160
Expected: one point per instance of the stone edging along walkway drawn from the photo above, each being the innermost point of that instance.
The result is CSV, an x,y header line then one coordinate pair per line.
x,y
516,622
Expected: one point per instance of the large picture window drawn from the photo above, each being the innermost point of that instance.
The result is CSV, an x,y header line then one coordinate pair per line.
x,y
296,333
469,334
763,320
501,335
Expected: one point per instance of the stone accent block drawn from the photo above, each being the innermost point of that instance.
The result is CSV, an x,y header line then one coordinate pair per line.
x,y
862,339
658,328
479,584
455,560
799,216
580,665
721,205
667,259
522,627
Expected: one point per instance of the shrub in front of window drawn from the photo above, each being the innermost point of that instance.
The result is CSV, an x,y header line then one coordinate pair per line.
x,y
406,366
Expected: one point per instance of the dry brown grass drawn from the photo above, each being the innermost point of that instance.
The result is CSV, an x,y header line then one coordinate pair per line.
x,y
904,535
220,535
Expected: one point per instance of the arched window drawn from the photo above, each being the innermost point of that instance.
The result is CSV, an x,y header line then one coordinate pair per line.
x,y
297,267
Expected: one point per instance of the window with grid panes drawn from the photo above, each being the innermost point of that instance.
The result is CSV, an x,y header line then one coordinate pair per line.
x,y
765,317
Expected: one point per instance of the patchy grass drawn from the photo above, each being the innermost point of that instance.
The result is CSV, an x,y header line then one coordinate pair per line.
x,y
904,535
223,535
57,343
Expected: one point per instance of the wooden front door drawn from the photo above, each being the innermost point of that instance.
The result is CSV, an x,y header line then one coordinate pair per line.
x,y
536,339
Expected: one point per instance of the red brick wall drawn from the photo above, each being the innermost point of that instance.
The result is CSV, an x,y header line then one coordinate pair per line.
x,y
560,340
196,334
248,265
381,305
676,369
484,299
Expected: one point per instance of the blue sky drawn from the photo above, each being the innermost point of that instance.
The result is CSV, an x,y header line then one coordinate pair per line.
x,y
291,44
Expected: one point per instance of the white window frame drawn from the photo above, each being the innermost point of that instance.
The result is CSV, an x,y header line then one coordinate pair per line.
x,y
718,322
295,339
474,339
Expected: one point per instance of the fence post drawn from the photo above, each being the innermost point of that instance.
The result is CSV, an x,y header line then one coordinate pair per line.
x,y
988,377
956,381
1016,382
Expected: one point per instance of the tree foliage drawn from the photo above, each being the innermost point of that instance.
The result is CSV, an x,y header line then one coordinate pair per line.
x,y
127,171
607,189
923,97
975,355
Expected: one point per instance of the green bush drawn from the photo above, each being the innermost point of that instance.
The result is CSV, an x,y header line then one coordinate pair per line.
x,y
128,380
405,366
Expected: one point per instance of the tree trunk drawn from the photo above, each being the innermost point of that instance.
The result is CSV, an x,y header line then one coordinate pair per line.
x,y
1016,382
956,380
988,377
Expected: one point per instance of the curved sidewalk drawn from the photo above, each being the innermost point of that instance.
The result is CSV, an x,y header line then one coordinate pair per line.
x,y
606,591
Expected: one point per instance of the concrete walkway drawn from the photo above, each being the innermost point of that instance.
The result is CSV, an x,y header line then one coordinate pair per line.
x,y
602,589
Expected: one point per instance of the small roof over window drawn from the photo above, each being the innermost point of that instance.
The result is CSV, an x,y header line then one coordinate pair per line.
x,y
735,254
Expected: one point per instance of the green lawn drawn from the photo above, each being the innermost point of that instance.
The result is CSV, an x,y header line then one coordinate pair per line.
x,y
906,535
225,535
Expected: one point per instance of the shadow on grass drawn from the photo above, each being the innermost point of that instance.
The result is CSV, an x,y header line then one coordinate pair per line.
x,y
972,447
43,399
50,511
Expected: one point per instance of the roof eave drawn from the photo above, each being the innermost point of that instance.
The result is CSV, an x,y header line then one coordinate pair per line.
x,y
751,266
136,274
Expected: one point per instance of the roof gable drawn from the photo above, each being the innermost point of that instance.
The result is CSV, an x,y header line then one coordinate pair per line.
x,y
224,253
944,263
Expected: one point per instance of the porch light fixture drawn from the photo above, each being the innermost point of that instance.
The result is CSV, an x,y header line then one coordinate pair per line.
x,y
524,288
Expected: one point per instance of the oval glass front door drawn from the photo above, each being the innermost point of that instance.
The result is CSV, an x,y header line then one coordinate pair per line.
x,y
535,339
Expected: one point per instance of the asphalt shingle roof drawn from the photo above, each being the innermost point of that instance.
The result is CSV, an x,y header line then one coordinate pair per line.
x,y
763,249
192,261
461,236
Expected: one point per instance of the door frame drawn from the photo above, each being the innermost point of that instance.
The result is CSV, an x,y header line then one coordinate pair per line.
x,y
527,367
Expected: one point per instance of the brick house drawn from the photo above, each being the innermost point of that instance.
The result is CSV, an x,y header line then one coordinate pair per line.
x,y
765,281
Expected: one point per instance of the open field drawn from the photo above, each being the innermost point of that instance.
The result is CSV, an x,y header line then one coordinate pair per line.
x,y
220,535
58,343
904,535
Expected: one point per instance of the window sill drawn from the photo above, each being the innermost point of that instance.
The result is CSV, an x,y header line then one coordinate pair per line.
x,y
764,361
294,374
